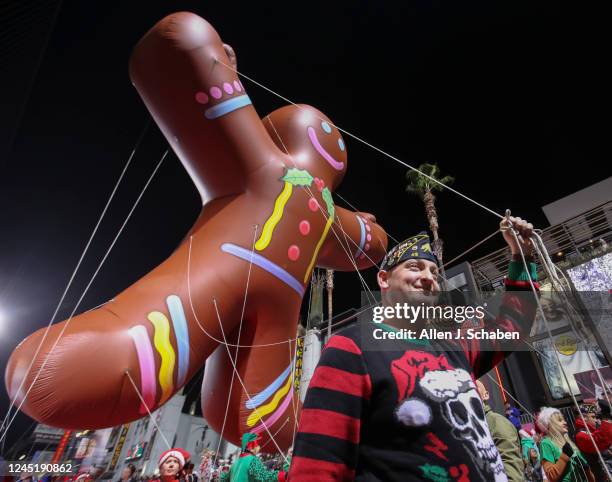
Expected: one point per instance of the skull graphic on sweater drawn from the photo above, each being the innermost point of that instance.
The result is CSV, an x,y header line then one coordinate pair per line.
x,y
464,411
453,390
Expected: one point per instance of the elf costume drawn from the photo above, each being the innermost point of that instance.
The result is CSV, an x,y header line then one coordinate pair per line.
x,y
248,467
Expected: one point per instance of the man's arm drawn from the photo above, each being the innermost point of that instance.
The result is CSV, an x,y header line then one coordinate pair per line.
x,y
327,442
355,241
518,307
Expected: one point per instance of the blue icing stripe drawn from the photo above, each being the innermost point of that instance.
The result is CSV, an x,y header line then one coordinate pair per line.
x,y
341,144
363,236
227,107
269,390
326,127
265,264
179,322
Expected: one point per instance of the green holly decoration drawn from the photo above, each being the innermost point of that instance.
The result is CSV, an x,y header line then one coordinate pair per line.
x,y
298,177
435,473
329,202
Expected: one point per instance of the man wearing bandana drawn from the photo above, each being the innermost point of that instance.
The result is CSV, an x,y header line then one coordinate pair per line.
x,y
407,409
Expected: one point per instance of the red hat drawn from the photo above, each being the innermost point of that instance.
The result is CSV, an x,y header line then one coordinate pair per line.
x,y
179,454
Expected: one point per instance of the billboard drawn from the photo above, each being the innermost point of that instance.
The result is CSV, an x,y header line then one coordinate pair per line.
x,y
590,384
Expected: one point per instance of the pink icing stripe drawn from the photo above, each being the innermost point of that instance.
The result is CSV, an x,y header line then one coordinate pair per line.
x,y
276,415
338,166
140,336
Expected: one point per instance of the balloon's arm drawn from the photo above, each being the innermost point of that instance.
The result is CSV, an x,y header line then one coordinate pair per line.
x,y
355,241
182,71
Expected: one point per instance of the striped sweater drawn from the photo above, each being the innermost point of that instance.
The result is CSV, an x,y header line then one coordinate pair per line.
x,y
408,411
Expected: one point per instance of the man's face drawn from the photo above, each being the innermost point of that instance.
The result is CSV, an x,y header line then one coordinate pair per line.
x,y
414,281
591,418
482,391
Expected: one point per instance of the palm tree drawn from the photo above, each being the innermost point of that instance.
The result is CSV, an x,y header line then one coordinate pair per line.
x,y
424,188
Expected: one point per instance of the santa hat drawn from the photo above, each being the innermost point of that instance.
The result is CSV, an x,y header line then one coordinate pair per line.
x,y
179,454
543,420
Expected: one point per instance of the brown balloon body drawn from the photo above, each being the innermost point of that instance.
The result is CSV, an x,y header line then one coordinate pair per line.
x,y
268,218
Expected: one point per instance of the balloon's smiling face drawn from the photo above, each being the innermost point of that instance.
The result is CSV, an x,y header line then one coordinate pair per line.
x,y
322,146
311,140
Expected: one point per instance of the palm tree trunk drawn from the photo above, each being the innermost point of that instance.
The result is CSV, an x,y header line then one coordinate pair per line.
x,y
437,245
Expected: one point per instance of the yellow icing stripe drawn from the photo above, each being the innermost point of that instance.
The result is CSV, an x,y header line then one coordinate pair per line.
x,y
266,233
328,224
165,350
260,412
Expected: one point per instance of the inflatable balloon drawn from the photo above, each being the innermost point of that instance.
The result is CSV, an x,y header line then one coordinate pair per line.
x,y
268,219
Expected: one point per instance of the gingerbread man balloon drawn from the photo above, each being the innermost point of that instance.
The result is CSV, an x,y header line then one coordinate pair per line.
x,y
234,286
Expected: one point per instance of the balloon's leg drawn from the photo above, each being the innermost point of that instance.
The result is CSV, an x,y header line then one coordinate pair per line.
x,y
264,396
79,376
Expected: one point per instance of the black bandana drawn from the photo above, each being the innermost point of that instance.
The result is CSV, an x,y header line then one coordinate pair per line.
x,y
415,247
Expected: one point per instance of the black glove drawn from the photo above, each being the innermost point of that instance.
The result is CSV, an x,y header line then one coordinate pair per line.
x,y
568,450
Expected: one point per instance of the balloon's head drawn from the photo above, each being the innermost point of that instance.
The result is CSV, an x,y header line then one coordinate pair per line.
x,y
311,140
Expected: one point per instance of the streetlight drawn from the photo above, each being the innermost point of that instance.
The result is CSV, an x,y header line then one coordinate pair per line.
x,y
3,320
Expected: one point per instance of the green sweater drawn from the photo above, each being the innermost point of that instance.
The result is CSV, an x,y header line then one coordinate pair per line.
x,y
508,444
574,472
249,469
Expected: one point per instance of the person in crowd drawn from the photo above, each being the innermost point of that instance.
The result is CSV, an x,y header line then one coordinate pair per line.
x,y
531,456
249,467
604,414
533,467
188,475
561,459
207,465
386,405
171,464
90,474
513,414
601,433
127,474
287,461
505,436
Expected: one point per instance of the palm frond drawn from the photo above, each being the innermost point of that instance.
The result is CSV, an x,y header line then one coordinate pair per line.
x,y
417,191
424,180
447,180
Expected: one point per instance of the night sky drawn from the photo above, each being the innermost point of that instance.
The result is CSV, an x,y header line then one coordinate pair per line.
x,y
503,95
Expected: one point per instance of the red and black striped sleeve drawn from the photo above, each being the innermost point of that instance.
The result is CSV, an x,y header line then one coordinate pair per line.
x,y
516,314
327,442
